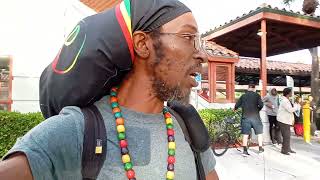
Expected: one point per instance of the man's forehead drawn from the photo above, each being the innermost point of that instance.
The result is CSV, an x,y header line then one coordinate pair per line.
x,y
185,22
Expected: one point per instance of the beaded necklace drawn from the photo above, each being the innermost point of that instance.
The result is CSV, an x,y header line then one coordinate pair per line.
x,y
125,156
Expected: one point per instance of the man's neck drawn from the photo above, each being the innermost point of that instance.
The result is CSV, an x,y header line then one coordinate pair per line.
x,y
136,93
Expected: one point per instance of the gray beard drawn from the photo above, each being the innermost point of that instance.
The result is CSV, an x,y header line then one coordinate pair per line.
x,y
165,93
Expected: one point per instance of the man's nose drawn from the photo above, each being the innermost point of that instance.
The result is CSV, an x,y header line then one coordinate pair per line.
x,y
202,56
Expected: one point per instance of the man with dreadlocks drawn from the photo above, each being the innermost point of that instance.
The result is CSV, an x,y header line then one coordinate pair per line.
x,y
144,141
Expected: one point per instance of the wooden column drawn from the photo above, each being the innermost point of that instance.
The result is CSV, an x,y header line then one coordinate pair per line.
x,y
212,81
229,83
233,80
263,64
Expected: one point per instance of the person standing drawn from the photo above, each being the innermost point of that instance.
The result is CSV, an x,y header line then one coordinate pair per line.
x,y
298,122
271,101
251,104
285,118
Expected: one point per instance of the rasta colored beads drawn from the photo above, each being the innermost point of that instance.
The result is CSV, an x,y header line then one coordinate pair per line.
x,y
124,151
114,104
128,166
171,144
171,138
125,159
171,152
169,121
121,129
170,167
170,175
121,136
171,160
170,132
130,174
123,144
120,121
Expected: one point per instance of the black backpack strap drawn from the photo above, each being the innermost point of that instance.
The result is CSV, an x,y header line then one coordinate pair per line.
x,y
94,143
200,170
182,124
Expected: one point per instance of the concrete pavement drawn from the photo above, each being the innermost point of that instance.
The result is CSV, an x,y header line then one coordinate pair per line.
x,y
272,165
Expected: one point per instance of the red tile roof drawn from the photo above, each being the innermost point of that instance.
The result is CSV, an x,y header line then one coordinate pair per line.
x,y
100,5
252,65
215,49
267,8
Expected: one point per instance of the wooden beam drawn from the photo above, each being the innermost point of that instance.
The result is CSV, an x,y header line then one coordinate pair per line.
x,y
245,37
223,59
235,26
291,20
263,64
288,41
263,15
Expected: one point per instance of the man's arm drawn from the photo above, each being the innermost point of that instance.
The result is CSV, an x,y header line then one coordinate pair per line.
x,y
260,103
16,168
212,175
238,104
267,102
44,152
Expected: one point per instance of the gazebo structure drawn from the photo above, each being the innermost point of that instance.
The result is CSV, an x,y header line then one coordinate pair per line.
x,y
248,69
267,31
218,85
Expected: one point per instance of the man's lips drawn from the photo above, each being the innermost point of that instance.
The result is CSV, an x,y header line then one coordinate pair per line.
x,y
193,81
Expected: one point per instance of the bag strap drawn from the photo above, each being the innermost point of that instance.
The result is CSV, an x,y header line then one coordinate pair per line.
x,y
94,143
182,124
200,170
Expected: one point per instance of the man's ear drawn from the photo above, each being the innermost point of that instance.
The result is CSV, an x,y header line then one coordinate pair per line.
x,y
140,44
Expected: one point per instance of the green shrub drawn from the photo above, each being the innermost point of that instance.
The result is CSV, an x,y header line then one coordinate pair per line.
x,y
14,125
214,121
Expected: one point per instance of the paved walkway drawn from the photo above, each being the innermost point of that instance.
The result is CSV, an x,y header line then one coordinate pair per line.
x,y
272,165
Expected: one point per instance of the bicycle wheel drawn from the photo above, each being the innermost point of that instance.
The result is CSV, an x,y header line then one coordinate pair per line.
x,y
221,143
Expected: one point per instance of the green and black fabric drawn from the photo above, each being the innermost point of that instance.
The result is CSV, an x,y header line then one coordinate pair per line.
x,y
99,52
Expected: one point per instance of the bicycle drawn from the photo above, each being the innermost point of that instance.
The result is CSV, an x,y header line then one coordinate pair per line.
x,y
230,135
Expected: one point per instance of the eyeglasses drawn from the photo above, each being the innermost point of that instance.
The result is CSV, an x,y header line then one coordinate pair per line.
x,y
197,43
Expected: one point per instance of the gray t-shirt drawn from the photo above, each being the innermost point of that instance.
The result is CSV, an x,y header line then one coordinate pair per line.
x,y
274,100
54,147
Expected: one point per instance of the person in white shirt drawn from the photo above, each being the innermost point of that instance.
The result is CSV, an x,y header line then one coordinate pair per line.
x,y
285,118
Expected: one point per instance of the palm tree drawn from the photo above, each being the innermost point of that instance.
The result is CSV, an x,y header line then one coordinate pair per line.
x,y
309,7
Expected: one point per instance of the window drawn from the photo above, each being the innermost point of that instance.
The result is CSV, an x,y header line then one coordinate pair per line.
x,y
5,83
218,82
221,82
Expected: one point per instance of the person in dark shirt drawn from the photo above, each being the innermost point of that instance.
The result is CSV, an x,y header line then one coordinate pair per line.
x,y
250,103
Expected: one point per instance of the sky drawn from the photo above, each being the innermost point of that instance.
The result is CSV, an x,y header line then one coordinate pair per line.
x,y
212,13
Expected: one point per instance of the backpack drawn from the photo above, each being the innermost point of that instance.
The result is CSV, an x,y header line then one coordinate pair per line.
x,y
91,61
95,138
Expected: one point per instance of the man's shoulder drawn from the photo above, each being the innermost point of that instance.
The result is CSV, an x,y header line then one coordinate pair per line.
x,y
255,94
69,120
70,115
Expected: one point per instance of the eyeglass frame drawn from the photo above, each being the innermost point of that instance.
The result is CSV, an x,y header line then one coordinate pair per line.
x,y
198,45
